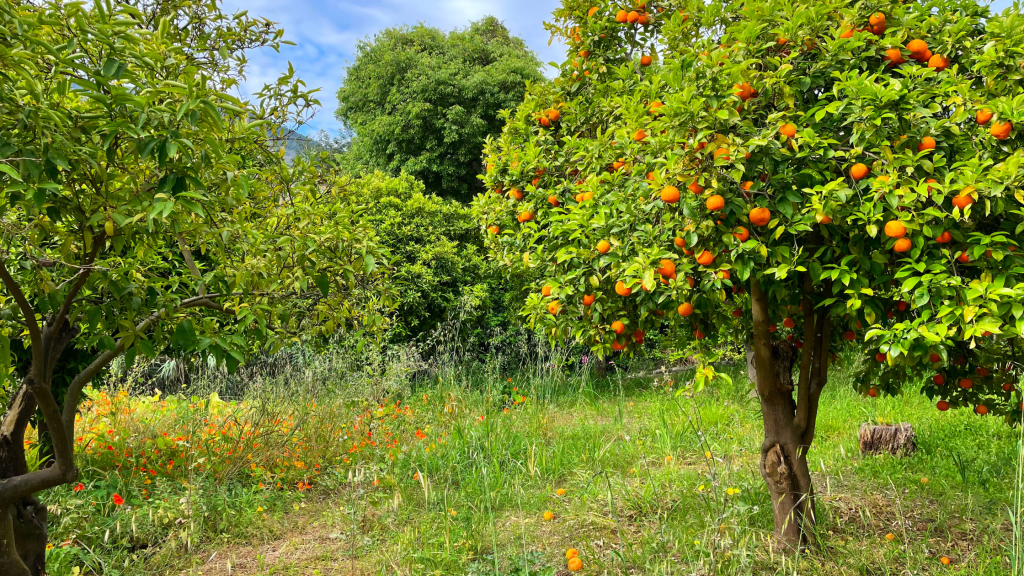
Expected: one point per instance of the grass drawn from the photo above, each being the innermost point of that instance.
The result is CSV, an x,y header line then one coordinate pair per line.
x,y
453,475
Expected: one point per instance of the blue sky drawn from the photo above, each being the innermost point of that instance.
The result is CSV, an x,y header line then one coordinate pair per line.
x,y
326,33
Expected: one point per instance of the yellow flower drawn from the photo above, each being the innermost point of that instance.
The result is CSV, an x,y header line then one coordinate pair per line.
x,y
707,454
452,512
700,488
259,508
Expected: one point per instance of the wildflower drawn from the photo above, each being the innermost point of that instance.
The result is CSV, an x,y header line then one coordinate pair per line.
x,y
118,500
560,491
707,454
700,488
452,512
890,537
79,488
420,434
259,508
668,459
732,491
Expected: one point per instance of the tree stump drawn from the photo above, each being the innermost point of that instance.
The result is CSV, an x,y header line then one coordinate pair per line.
x,y
898,440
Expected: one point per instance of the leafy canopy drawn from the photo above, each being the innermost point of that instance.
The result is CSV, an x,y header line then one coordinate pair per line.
x,y
690,148
422,101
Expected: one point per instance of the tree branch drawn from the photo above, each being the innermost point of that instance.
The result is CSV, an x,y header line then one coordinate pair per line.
x,y
26,309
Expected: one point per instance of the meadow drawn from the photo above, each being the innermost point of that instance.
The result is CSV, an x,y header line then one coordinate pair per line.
x,y
319,464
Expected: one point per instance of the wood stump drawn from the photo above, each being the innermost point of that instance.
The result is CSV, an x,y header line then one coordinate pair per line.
x,y
898,440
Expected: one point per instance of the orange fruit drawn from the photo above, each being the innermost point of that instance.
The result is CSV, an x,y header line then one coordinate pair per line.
x,y
938,62
603,246
788,130
981,410
859,171
621,16
516,193
966,383
942,405
667,268
847,33
493,229
695,187
964,198
894,56
698,334
850,335
931,181
632,17
741,234
877,18
1001,130
823,218
944,238
964,257
554,115
724,274
760,216
592,11
722,153
525,216
744,91
546,291
618,327
588,299
640,135
872,391
939,379
685,309
545,121
705,258
621,289
654,108
554,308
983,116
789,322
553,200
747,185
575,564
617,346
645,60
638,336
715,203
927,143
895,229
917,48
670,194
903,245
773,328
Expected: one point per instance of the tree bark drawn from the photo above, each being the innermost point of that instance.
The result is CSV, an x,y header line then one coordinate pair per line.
x,y
23,527
788,424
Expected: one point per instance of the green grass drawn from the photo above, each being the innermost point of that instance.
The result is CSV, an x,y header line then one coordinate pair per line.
x,y
642,497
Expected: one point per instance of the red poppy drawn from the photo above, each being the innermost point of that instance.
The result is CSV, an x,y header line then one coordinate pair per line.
x,y
79,488
118,500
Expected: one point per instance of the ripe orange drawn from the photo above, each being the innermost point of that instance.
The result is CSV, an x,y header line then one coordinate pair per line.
x,y
654,108
638,336
741,234
788,322
667,268
554,308
773,328
705,258
493,229
747,185
575,564
927,143
894,56
546,291
737,313
744,91
903,245
698,334
872,391
640,135
859,171
942,405
724,274
592,11
618,327
715,203
938,62
981,410
603,246
847,33
760,216
554,115
966,383
695,187
679,242
964,257
917,48
788,130
621,289
588,299
895,229
516,193
632,17
939,379
553,200
545,121
685,309
617,346
933,358
525,216
823,218
983,116
876,19
621,16
964,198
670,195
850,335
722,153
944,238
1001,130
645,60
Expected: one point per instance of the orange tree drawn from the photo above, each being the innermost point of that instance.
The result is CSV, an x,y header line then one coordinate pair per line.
x,y
789,174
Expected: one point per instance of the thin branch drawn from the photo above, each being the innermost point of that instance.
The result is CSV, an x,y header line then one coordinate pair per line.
x,y
26,309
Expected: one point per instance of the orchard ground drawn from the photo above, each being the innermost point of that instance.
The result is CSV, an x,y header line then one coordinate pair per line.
x,y
379,475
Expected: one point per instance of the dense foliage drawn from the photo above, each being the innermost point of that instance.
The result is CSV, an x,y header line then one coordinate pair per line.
x,y
422,101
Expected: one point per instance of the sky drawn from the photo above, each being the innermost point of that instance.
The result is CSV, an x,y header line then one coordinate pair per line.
x,y
326,32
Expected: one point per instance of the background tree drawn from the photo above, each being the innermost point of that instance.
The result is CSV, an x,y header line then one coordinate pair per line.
x,y
142,205
422,101
792,175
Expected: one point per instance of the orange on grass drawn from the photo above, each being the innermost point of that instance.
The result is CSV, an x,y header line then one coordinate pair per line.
x,y
788,130
705,258
695,187
670,194
858,171
618,327
895,229
645,60
927,143
667,268
983,116
549,515
603,246
944,238
715,203
760,216
903,245
493,229
575,564
571,553
685,309
588,299
741,234
1001,130
621,289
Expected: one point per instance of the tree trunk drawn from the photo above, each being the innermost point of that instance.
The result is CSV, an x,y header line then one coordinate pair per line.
x,y
23,527
789,423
